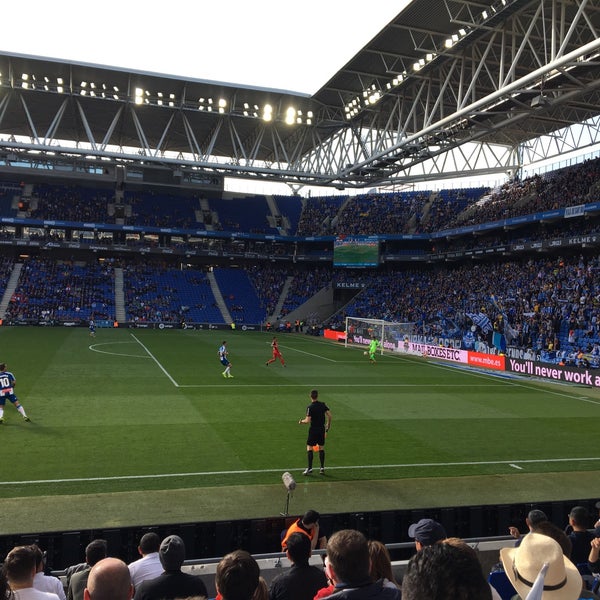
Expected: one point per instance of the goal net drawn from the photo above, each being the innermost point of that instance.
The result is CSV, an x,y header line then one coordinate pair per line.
x,y
360,332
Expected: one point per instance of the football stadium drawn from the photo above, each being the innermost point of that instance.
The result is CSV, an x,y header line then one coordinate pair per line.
x,y
408,338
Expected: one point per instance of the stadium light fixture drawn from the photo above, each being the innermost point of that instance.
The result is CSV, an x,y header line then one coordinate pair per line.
x,y
290,115
267,112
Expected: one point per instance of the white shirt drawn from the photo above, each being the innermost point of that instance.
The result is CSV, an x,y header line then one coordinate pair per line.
x,y
47,583
33,594
147,567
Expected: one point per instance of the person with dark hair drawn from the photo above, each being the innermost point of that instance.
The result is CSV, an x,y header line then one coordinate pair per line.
x,y
579,535
7,385
109,580
349,566
443,571
302,581
533,517
172,582
308,525
318,418
472,554
5,592
96,550
149,566
237,576
43,582
19,568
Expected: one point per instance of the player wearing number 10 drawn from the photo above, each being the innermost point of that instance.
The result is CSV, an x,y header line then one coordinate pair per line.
x,y
7,384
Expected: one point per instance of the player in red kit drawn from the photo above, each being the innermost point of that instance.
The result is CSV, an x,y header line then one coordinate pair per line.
x,y
276,353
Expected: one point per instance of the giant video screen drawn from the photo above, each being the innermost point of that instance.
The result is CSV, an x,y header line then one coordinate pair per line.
x,y
356,251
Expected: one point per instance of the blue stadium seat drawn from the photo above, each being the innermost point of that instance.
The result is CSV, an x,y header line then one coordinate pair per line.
x,y
501,583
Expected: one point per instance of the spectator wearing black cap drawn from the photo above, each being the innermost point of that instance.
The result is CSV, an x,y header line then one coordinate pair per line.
x,y
426,532
173,582
533,518
308,524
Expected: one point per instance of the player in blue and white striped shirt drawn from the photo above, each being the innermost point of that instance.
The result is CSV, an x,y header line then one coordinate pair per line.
x,y
224,360
7,384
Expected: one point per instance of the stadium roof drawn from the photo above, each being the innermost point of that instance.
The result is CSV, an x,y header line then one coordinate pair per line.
x,y
444,88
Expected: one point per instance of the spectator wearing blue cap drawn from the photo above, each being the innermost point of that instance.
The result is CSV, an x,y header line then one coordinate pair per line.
x,y
426,532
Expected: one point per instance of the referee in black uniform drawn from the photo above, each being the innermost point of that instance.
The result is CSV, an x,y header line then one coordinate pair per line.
x,y
318,417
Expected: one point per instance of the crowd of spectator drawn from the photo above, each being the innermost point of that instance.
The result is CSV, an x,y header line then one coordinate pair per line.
x,y
545,558
366,214
50,290
546,304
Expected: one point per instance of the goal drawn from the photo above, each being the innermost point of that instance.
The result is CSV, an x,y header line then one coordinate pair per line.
x,y
360,332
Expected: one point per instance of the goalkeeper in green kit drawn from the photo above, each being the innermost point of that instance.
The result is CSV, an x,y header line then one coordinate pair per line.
x,y
373,349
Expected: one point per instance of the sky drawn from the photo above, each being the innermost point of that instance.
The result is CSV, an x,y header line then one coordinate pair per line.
x,y
295,46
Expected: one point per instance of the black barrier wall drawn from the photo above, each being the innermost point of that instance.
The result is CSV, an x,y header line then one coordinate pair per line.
x,y
263,536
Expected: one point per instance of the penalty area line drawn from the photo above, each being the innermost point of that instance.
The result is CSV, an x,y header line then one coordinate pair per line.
x,y
156,361
510,463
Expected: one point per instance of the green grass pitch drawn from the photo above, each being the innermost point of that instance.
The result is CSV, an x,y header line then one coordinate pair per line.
x,y
140,427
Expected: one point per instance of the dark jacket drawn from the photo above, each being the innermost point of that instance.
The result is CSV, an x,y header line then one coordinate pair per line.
x,y
300,582
171,584
370,591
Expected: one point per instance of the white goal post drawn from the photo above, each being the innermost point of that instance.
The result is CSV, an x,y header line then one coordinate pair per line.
x,y
360,332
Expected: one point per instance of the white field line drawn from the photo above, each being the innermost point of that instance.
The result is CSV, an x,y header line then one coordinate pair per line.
x,y
309,353
156,361
511,463
96,348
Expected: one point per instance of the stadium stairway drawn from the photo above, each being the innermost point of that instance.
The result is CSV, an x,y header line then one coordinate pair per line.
x,y
120,313
316,309
214,286
282,297
11,286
